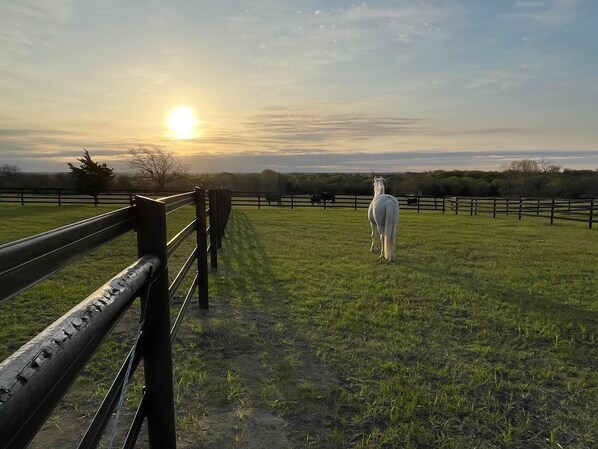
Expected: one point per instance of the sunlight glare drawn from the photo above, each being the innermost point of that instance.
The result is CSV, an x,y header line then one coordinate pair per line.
x,y
182,122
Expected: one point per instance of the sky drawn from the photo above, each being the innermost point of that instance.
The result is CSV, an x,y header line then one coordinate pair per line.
x,y
301,86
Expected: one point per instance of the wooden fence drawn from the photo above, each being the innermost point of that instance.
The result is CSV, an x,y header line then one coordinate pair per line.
x,y
580,209
34,378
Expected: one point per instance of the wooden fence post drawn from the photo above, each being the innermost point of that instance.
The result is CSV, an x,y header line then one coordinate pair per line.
x,y
157,354
552,212
443,205
494,208
456,205
214,229
591,218
259,206
202,248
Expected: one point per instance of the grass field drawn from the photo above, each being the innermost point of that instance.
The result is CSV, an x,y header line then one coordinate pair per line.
x,y
482,334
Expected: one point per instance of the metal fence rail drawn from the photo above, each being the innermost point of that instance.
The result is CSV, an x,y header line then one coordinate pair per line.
x,y
35,377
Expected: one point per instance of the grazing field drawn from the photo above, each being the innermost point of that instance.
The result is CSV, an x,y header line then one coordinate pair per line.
x,y
484,333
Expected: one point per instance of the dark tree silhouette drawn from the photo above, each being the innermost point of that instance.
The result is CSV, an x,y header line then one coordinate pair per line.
x,y
156,165
91,177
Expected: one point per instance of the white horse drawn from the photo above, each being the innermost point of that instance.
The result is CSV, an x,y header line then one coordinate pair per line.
x,y
383,214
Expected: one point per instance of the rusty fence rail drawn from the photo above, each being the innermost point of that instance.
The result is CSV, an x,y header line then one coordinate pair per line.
x,y
35,377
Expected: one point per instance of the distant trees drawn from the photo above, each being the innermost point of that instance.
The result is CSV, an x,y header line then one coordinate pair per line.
x,y
9,174
91,177
156,165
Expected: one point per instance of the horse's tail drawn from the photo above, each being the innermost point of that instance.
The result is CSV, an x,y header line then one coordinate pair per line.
x,y
391,219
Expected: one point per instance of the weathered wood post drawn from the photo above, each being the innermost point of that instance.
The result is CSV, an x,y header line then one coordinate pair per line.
x,y
157,354
591,217
202,248
494,208
552,212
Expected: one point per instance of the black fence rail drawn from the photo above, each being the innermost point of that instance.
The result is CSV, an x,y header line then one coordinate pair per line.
x,y
61,197
580,209
35,377
328,200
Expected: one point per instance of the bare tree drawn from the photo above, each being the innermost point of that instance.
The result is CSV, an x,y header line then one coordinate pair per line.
x,y
156,165
524,165
546,166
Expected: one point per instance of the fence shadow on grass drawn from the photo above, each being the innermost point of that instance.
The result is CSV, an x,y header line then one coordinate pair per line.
x,y
273,389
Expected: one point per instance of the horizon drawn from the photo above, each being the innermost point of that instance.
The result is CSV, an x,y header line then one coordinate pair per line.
x,y
300,87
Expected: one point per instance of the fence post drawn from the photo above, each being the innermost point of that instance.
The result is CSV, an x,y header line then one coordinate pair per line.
x,y
552,212
456,205
519,215
220,216
157,354
22,197
471,206
259,206
591,218
59,199
292,205
494,208
214,229
355,202
418,199
443,205
202,248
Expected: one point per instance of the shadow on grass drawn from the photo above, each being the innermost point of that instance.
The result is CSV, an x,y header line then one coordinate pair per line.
x,y
265,385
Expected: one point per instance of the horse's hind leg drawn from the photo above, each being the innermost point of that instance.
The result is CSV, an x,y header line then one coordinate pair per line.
x,y
382,245
373,236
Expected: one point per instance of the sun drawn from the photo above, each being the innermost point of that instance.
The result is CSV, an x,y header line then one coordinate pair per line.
x,y
182,123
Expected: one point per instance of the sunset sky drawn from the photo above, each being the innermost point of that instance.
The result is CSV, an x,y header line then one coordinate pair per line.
x,y
307,86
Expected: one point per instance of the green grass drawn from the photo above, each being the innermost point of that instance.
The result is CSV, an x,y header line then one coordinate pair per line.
x,y
482,334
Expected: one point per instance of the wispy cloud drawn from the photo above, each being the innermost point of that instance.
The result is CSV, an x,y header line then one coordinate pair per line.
x,y
554,13
291,44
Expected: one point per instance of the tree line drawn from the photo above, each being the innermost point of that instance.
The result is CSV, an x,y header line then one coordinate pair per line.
x,y
158,169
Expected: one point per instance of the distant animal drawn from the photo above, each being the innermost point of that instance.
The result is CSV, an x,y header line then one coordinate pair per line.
x,y
316,199
411,200
326,196
274,198
383,214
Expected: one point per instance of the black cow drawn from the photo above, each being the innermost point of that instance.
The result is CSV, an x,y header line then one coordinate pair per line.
x,y
316,199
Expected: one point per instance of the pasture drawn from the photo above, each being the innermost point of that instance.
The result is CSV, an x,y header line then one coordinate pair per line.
x,y
484,333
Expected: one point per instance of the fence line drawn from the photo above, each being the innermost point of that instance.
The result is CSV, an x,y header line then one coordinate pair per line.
x,y
35,377
580,209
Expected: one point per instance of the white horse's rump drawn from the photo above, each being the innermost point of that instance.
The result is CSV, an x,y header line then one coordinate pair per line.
x,y
383,214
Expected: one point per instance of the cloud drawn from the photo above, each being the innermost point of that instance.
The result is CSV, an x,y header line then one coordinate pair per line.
x,y
552,13
500,80
27,24
295,44
385,162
